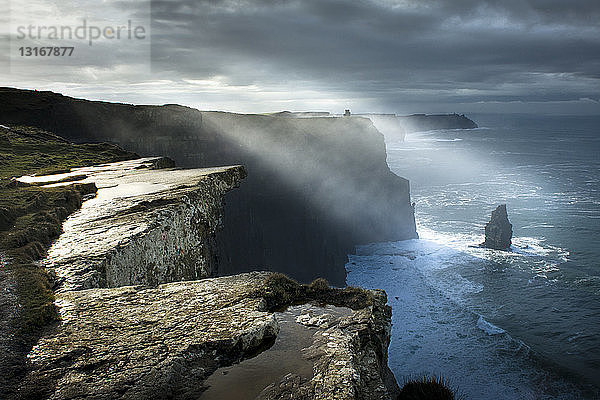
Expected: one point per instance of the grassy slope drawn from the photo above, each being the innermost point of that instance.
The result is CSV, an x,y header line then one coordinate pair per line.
x,y
31,217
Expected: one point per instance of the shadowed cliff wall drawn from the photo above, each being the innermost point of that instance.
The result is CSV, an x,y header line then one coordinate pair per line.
x,y
316,187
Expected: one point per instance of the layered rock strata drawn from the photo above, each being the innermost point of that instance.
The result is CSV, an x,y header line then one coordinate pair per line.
x,y
144,225
317,187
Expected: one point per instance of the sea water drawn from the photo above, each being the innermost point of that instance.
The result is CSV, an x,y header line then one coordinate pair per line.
x,y
523,324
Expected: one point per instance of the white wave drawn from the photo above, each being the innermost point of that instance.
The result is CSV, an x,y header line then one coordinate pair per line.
x,y
434,335
488,327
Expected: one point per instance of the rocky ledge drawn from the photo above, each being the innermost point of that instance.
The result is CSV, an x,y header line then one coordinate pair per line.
x,y
126,315
139,343
144,226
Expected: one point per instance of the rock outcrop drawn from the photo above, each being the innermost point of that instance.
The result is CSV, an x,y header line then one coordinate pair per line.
x,y
316,187
348,354
144,225
498,232
122,333
164,342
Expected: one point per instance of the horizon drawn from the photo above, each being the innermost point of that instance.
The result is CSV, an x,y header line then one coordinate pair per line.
x,y
380,56
331,113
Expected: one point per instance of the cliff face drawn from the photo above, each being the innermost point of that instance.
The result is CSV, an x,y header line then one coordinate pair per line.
x,y
146,223
144,226
316,186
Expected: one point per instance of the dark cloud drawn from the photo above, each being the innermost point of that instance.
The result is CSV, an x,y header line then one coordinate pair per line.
x,y
396,51
377,55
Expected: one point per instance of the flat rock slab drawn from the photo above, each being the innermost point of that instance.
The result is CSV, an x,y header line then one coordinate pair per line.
x,y
167,342
113,239
141,343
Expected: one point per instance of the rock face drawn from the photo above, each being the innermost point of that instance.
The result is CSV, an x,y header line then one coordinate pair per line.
x,y
316,187
498,232
144,226
348,355
118,341
164,342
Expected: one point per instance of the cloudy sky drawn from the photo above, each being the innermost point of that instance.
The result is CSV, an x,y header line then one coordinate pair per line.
x,y
397,56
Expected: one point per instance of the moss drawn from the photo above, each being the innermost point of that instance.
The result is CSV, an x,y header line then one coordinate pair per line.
x,y
27,151
280,291
35,298
31,216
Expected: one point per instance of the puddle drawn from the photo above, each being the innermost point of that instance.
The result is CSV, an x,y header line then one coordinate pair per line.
x,y
246,380
123,190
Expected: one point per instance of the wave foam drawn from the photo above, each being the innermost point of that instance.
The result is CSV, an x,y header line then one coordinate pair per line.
x,y
488,327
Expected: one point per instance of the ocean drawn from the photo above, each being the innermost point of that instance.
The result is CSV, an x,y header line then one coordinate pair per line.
x,y
523,324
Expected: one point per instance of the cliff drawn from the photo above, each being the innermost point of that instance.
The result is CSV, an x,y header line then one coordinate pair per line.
x,y
425,122
121,334
316,186
112,240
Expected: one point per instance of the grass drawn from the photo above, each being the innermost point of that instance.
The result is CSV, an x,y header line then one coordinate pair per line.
x,y
280,292
26,151
31,216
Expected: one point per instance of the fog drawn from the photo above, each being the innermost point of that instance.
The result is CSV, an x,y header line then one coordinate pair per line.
x,y
336,164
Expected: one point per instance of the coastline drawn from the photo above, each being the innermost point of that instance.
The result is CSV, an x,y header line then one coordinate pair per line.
x,y
452,206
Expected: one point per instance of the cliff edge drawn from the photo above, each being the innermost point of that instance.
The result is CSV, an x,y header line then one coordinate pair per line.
x,y
168,342
430,122
111,240
316,188
109,328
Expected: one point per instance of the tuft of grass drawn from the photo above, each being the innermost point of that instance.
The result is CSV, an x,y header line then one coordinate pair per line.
x,y
281,291
426,389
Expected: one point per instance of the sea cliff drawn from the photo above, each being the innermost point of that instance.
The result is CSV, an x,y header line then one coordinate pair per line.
x,y
134,321
316,186
430,122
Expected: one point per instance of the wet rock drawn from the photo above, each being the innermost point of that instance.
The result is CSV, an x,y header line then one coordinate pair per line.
x,y
349,355
140,343
164,342
144,226
498,232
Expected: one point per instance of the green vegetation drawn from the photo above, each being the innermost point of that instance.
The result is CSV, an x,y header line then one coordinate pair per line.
x,y
280,292
26,151
31,216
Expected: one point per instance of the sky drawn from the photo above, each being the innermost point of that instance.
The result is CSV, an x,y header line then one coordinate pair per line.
x,y
393,56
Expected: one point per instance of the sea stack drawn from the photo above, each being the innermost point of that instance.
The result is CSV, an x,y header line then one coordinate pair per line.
x,y
498,232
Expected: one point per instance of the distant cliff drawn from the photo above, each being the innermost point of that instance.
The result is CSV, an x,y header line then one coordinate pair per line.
x,y
425,122
316,187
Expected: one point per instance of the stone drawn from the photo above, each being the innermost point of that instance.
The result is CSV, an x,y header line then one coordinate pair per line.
x,y
144,226
163,343
498,232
